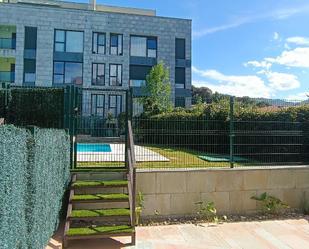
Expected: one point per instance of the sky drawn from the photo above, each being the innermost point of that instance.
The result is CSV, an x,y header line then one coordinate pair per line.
x,y
256,48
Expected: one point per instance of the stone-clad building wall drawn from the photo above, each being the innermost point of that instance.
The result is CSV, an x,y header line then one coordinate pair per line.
x,y
47,19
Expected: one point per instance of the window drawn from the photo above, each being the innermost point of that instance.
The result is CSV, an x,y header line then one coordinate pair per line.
x,y
143,46
180,102
68,73
138,75
116,44
69,41
29,70
115,75
180,77
97,104
115,105
30,37
180,48
98,43
98,74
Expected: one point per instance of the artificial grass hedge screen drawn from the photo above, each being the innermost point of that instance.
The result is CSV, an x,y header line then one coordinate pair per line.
x,y
34,174
42,107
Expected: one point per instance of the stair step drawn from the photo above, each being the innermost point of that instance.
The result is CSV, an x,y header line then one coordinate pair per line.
x,y
82,213
99,170
102,184
100,230
100,198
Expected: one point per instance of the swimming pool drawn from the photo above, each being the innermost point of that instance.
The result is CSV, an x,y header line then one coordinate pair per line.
x,y
93,148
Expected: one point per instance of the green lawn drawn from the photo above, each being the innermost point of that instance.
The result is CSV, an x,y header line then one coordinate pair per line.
x,y
179,158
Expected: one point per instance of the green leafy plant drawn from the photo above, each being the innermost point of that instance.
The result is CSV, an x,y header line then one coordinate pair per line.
x,y
139,207
157,91
208,211
270,204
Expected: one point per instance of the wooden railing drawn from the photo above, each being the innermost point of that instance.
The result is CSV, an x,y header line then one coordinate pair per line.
x,y
131,172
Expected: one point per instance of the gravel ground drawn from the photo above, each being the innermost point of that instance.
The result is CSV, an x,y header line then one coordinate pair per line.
x,y
156,221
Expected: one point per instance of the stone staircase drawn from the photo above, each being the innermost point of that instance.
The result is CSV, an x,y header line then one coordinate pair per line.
x,y
100,206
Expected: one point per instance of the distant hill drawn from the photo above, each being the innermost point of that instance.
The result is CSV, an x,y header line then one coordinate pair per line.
x,y
206,95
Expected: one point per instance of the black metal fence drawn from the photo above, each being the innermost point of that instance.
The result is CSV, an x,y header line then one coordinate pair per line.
x,y
101,123
229,132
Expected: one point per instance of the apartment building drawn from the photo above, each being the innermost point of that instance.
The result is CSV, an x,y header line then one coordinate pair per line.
x,y
56,43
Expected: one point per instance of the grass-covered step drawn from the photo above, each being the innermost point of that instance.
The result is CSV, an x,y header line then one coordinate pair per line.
x,y
100,197
100,230
100,213
94,184
98,169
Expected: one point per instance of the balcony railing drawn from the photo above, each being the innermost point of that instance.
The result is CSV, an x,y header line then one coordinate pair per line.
x,y
7,43
7,76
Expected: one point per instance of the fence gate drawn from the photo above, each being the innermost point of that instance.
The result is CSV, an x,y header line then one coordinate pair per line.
x,y
99,127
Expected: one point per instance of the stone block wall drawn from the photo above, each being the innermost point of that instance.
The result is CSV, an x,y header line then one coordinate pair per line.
x,y
175,192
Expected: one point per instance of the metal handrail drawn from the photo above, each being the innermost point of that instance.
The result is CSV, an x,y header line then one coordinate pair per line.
x,y
131,173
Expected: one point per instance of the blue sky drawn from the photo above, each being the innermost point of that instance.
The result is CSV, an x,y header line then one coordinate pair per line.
x,y
257,48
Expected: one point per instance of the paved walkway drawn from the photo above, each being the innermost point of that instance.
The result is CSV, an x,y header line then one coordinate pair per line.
x,y
283,234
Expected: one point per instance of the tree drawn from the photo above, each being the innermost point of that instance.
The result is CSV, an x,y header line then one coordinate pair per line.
x,y
201,93
157,90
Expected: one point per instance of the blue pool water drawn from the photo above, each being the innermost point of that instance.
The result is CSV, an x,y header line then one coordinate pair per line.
x,y
93,148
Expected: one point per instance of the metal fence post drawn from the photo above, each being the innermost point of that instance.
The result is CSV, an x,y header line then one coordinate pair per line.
x,y
6,87
232,134
126,129
75,113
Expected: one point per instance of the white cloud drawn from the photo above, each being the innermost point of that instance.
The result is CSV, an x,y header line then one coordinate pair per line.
x,y
244,85
298,40
298,57
298,96
276,14
223,27
282,81
258,64
276,36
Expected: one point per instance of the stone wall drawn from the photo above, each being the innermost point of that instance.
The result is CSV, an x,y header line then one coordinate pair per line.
x,y
175,192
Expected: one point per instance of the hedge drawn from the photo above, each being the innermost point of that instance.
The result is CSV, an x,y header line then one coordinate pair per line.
x,y
42,107
13,183
205,128
44,155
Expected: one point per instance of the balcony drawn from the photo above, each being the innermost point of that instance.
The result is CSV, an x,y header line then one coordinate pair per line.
x,y
7,43
7,69
7,76
7,37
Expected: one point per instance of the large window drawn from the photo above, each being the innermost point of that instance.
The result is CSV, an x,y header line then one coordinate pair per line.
x,y
115,105
143,46
138,75
98,74
97,104
116,44
115,75
69,41
68,73
98,43
29,70
30,37
180,102
180,48
180,77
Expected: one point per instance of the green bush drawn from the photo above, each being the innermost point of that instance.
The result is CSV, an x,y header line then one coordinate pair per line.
x,y
42,107
205,128
34,176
